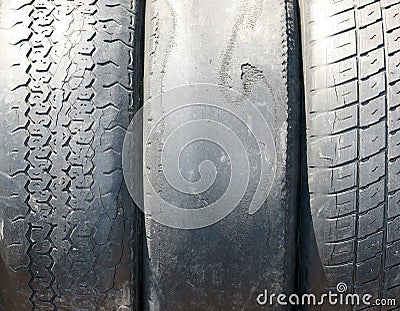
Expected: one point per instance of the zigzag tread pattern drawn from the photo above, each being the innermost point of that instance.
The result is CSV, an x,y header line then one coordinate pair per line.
x,y
66,218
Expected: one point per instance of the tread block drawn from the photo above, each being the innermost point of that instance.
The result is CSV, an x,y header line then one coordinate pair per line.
x,y
20,253
394,67
333,74
393,230
332,122
370,222
392,255
333,150
372,87
324,9
369,14
338,253
394,175
372,140
370,289
370,246
392,277
368,270
335,205
340,228
337,274
394,119
341,178
371,63
394,95
370,37
394,205
338,23
372,111
372,196
372,169
334,49
334,98
394,145
393,41
392,17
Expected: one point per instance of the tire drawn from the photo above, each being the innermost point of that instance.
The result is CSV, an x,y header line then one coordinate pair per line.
x,y
250,47
68,232
351,54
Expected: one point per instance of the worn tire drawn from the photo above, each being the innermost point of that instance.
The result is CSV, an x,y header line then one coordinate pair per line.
x,y
250,47
352,88
67,224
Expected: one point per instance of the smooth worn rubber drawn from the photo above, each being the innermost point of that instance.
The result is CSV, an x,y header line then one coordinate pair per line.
x,y
249,46
352,84
67,223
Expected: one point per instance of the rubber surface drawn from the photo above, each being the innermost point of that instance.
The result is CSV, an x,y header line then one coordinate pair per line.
x,y
352,85
67,225
249,46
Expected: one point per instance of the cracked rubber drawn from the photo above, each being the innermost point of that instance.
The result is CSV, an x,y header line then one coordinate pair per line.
x,y
67,226
352,88
252,47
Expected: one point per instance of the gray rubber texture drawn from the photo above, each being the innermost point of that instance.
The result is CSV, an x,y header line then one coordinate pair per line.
x,y
250,46
352,86
67,225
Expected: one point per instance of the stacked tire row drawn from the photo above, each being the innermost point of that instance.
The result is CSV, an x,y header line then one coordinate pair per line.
x,y
352,85
70,71
67,224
